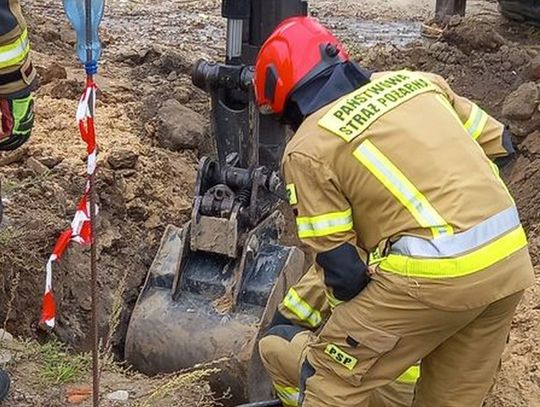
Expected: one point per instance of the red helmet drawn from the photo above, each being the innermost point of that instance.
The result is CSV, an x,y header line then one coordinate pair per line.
x,y
297,50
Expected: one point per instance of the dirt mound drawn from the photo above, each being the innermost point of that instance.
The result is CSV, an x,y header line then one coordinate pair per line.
x,y
518,383
525,185
483,74
143,187
470,37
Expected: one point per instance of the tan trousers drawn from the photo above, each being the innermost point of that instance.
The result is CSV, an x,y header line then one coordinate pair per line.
x,y
368,341
283,357
314,301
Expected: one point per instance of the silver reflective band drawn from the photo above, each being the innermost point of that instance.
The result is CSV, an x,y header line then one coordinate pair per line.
x,y
16,52
477,122
401,187
290,396
459,243
299,307
323,225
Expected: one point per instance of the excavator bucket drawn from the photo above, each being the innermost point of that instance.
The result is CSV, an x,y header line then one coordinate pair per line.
x,y
216,282
197,308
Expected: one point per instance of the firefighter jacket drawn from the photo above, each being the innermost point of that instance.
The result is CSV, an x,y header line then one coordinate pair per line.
x,y
17,74
402,170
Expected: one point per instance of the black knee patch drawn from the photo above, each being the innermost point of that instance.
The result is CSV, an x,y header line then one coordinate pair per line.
x,y
344,271
287,332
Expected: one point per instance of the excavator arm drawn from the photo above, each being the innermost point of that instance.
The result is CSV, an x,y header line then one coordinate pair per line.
x,y
216,281
236,124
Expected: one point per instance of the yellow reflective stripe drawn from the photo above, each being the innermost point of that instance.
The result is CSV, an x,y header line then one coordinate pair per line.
x,y
333,301
289,396
15,53
410,376
475,125
291,192
461,243
402,189
303,311
375,257
457,266
476,122
324,225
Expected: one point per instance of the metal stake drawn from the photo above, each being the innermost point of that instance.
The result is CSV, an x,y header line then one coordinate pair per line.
x,y
93,248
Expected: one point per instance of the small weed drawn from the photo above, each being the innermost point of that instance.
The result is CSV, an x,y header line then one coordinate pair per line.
x,y
15,281
107,357
5,237
173,387
532,33
58,366
8,186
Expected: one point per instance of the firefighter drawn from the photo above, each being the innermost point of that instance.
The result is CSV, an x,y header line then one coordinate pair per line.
x,y
397,165
17,79
283,346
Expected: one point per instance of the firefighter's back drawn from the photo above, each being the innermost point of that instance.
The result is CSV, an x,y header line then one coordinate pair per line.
x,y
423,193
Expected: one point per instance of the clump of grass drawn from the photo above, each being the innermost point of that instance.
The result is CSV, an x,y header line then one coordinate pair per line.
x,y
5,237
183,387
533,33
59,366
107,359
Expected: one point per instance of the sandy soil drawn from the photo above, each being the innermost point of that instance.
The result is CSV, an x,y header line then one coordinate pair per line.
x,y
149,49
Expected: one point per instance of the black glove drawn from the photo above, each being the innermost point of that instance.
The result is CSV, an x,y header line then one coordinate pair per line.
x,y
503,163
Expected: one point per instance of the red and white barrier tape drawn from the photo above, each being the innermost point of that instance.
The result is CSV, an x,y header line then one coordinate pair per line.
x,y
80,230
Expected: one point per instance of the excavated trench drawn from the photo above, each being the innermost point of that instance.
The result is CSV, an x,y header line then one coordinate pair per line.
x,y
149,49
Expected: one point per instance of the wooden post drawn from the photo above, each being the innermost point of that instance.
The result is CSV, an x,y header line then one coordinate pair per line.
x,y
447,8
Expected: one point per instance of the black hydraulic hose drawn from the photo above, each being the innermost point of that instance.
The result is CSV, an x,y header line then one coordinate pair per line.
x,y
271,403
